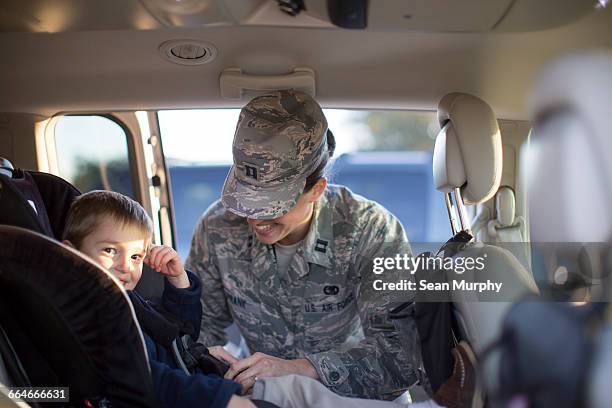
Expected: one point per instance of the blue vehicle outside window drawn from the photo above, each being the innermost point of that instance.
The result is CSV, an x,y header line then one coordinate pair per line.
x,y
400,181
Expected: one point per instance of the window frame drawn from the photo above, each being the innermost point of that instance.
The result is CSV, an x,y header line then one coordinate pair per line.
x,y
129,138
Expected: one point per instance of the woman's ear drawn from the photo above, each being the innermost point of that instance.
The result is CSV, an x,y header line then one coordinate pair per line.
x,y
318,189
68,243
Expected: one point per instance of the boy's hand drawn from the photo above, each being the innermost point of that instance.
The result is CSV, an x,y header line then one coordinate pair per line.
x,y
166,261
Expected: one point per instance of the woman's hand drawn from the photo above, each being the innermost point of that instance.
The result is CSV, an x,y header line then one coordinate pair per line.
x,y
220,353
247,370
239,402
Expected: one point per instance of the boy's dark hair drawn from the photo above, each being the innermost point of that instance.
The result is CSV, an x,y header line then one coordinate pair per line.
x,y
319,172
87,210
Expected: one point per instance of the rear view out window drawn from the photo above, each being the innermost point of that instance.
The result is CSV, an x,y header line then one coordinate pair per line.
x,y
385,156
92,153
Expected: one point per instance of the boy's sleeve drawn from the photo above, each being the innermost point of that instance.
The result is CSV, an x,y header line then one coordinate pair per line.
x,y
174,388
184,304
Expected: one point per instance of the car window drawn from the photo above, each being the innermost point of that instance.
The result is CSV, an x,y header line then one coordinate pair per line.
x,y
92,153
385,156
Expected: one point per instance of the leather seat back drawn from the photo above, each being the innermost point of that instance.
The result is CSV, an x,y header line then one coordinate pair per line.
x,y
468,148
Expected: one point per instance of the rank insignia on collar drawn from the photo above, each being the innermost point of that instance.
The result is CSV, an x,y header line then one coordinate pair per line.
x,y
321,246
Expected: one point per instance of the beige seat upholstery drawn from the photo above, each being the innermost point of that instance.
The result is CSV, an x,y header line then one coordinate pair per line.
x,y
480,216
468,162
497,223
468,150
507,230
570,183
506,227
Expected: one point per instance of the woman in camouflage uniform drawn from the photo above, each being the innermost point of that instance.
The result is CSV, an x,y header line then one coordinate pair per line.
x,y
287,257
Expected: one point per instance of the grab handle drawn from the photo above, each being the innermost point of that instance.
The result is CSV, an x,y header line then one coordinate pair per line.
x,y
233,82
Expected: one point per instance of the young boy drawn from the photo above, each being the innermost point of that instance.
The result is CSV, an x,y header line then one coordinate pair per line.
x,y
115,231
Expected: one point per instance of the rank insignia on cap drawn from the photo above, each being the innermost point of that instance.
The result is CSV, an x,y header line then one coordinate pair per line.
x,y
321,246
250,171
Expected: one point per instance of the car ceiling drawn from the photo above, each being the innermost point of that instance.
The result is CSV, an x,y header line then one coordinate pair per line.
x,y
102,56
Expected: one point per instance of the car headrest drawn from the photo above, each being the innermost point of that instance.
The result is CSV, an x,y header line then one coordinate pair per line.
x,y
468,149
570,156
505,206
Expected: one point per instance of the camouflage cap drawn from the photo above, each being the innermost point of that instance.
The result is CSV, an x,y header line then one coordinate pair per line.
x,y
280,140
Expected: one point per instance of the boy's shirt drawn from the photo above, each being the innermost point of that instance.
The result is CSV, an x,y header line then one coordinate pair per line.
x,y
175,388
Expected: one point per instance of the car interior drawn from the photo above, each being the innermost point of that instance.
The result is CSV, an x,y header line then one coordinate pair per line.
x,y
142,97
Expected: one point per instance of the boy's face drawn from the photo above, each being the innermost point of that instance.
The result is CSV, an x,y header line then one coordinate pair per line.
x,y
120,250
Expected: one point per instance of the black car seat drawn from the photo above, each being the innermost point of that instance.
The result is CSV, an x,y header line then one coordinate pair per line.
x,y
66,322
36,201
39,202
48,199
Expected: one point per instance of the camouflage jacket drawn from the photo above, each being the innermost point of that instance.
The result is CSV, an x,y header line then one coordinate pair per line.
x,y
324,308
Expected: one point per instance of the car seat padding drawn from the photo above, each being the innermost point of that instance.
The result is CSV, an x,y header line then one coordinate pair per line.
x,y
67,317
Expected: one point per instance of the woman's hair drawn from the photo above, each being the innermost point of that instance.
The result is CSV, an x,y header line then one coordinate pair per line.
x,y
319,172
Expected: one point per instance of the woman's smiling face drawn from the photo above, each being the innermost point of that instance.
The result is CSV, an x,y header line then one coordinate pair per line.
x,y
293,226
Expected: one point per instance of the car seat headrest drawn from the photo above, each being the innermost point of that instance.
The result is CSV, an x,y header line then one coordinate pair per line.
x,y
570,156
35,201
57,195
505,205
21,204
468,149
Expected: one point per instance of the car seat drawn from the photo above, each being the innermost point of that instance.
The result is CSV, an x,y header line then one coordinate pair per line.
x,y
40,201
35,201
66,322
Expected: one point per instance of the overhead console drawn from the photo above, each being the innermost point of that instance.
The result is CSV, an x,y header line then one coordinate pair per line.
x,y
388,15
376,15
450,15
